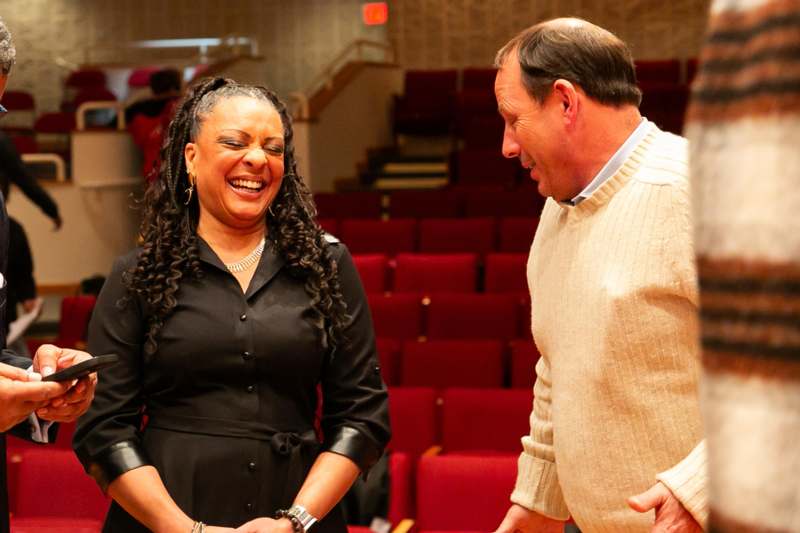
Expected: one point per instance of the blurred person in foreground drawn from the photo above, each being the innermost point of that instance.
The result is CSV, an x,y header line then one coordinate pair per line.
x,y
744,125
616,439
28,406
231,316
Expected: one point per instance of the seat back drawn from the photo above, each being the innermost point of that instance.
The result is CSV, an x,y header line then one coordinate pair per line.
x,y
71,493
372,269
473,316
429,273
463,493
379,236
452,363
396,316
412,411
498,419
75,314
462,235
506,273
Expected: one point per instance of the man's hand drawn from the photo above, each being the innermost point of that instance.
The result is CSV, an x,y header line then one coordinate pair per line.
x,y
671,515
521,520
67,407
266,525
21,394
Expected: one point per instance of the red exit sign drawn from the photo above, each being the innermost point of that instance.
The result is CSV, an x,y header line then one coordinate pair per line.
x,y
375,13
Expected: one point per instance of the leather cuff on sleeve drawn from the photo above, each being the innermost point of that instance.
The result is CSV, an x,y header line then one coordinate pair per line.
x,y
354,445
537,488
115,461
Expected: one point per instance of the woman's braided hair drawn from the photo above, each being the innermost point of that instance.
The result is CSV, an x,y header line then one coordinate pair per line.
x,y
169,252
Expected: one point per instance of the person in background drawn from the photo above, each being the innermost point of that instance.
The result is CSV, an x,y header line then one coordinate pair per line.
x,y
615,429
148,119
743,122
234,312
28,406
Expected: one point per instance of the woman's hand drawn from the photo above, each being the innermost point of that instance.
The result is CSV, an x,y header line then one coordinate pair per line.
x,y
266,525
218,529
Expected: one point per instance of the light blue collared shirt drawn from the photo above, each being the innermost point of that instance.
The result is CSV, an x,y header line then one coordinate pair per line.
x,y
615,163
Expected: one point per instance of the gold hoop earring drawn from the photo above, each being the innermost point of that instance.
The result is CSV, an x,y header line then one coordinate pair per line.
x,y
189,190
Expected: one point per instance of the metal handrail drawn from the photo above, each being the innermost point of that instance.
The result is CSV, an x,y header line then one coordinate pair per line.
x,y
355,51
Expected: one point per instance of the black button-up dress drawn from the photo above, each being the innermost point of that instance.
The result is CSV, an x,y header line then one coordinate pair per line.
x,y
231,393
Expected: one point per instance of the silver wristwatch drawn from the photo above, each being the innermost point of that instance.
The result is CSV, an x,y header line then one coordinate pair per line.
x,y
302,515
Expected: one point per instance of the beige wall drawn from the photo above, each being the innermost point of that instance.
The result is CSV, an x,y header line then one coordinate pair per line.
x,y
296,37
463,33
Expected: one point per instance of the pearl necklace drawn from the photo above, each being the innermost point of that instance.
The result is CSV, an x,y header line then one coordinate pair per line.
x,y
246,262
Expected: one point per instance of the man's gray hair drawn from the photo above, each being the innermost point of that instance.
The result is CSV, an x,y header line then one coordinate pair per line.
x,y
8,55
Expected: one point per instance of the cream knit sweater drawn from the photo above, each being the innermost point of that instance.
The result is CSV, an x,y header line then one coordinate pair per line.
x,y
614,293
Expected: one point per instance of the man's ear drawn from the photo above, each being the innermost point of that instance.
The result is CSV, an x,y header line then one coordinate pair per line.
x,y
566,95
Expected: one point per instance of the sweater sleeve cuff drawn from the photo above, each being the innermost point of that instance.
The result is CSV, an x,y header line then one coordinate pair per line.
x,y
537,488
688,482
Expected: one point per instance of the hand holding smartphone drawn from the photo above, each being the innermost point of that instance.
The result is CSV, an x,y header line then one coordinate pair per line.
x,y
84,368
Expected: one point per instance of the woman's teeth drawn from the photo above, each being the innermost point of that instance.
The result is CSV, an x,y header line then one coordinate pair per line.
x,y
248,184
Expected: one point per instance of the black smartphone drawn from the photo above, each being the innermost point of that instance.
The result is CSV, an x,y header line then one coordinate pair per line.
x,y
83,369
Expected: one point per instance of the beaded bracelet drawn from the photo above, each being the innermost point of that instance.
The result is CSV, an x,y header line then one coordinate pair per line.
x,y
198,527
297,526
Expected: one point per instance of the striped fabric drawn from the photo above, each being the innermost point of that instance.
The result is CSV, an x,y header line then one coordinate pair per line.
x,y
744,129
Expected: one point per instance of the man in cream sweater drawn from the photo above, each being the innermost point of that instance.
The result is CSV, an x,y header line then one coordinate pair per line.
x,y
616,438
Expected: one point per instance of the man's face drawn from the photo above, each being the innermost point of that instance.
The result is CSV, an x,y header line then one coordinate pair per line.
x,y
533,132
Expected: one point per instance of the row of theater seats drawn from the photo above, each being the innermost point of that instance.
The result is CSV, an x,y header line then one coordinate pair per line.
x,y
431,273
455,493
452,493
454,202
495,272
451,316
432,449
434,235
476,363
462,103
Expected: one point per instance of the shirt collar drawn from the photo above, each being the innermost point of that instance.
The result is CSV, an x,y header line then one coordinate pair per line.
x,y
615,163
268,266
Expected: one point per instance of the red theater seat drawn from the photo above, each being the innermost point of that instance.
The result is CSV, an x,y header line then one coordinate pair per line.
x,y
442,364
419,204
56,473
55,123
515,234
429,273
502,203
75,314
330,225
86,78
413,414
658,70
485,167
498,419
524,356
379,236
463,493
506,273
449,235
389,356
425,108
473,316
372,268
397,316
357,204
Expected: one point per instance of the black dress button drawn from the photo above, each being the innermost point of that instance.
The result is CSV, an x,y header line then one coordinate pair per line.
x,y
251,467
248,506
243,317
251,388
247,355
